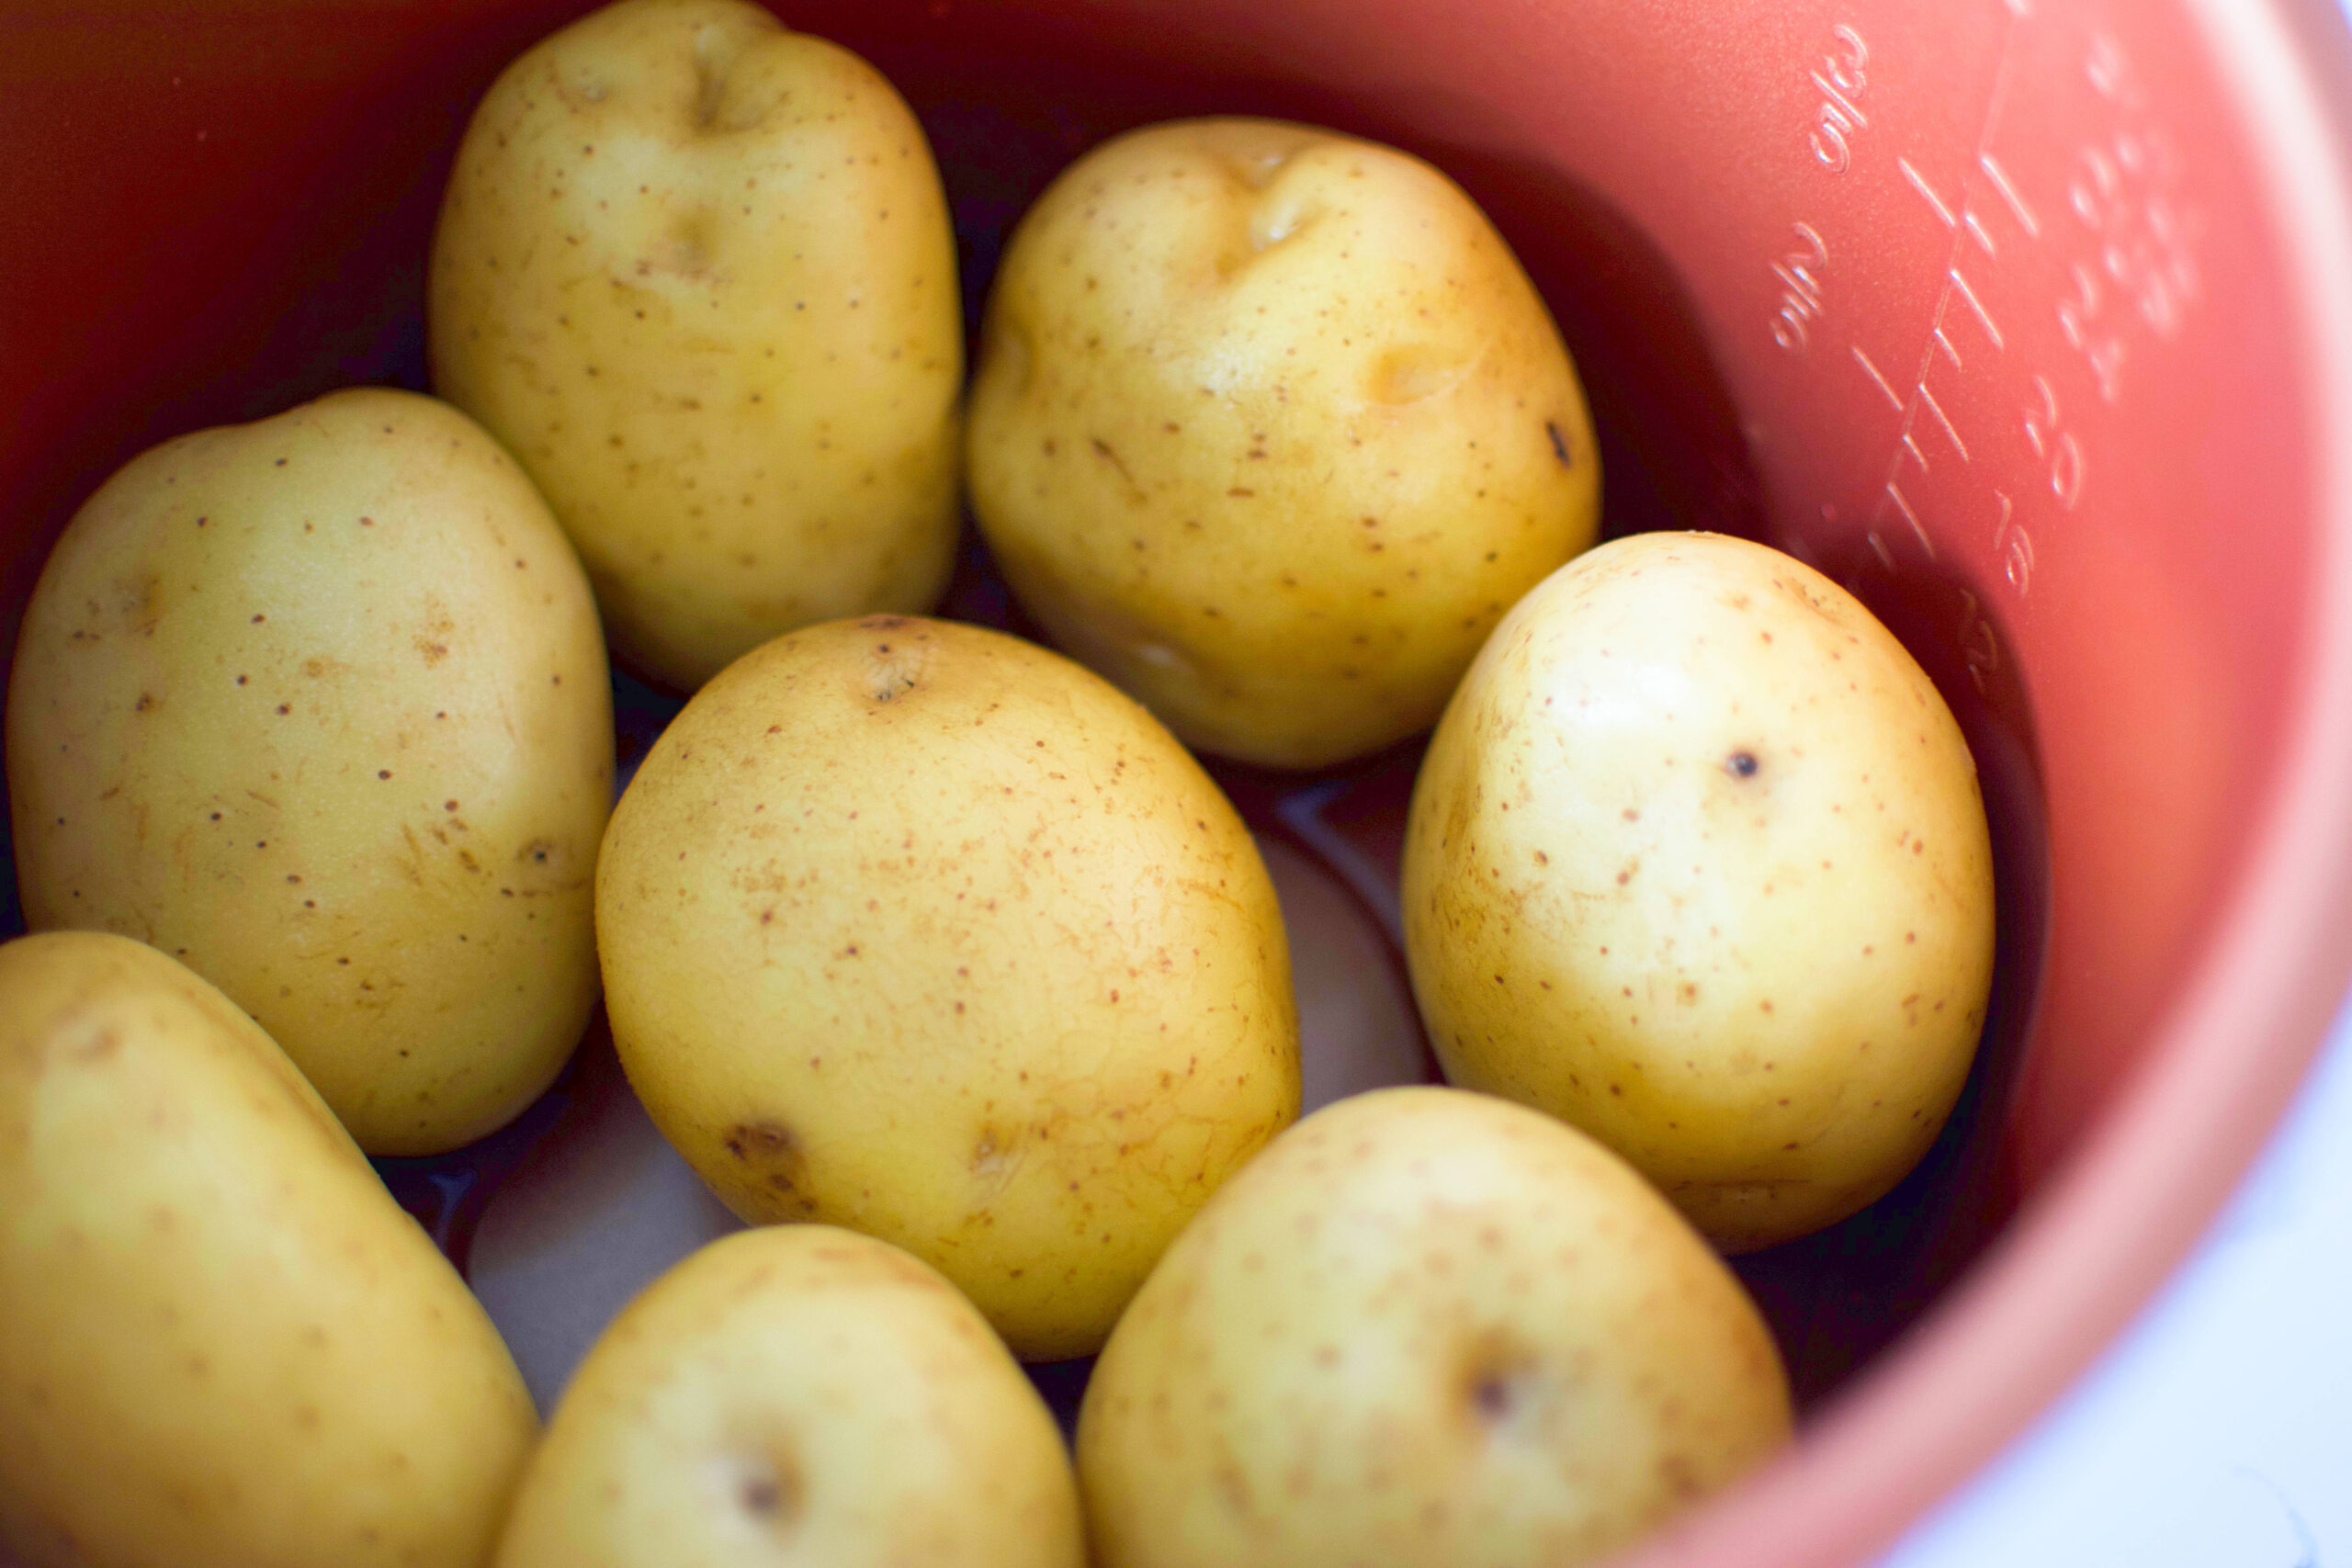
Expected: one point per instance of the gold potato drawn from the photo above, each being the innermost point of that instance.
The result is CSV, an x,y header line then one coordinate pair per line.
x,y
222,1345
1697,861
918,928
318,705
1424,1327
696,272
1269,428
797,1393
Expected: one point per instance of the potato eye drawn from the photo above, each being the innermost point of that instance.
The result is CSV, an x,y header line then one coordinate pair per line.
x,y
1741,765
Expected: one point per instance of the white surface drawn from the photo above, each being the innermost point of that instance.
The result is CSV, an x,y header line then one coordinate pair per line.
x,y
2217,1433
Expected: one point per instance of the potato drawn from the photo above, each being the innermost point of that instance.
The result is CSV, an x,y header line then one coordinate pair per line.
x,y
696,272
318,705
1269,428
917,928
222,1345
797,1393
1697,861
1424,1327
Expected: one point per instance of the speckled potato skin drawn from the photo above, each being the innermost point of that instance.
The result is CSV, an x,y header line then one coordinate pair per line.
x,y
1425,1326
919,929
1698,861
222,1345
695,271
798,1395
318,706
1270,427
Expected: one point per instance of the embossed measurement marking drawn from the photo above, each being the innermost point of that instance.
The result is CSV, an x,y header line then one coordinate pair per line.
x,y
1960,216
1841,80
1800,271
2124,264
2006,188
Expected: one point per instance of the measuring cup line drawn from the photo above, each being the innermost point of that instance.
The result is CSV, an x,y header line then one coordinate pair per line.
x,y
1945,343
1919,183
1891,496
1958,281
1873,372
1977,232
1951,433
2008,191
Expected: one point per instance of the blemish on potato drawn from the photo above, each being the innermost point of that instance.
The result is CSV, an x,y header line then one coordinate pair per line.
x,y
772,1147
774,1497
991,1157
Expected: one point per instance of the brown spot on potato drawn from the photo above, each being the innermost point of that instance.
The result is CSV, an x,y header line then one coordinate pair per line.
x,y
1102,449
1559,444
1680,1475
140,600
895,661
432,638
771,1151
773,1490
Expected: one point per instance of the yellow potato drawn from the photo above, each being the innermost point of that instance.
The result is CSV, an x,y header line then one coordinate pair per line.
x,y
695,271
318,706
222,1345
797,1393
1269,428
1697,861
1424,1327
917,928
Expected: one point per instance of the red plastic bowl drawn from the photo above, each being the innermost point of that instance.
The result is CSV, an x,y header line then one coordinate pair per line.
x,y
2030,319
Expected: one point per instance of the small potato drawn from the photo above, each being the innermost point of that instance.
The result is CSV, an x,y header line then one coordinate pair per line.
x,y
1269,428
222,1345
1697,861
1424,1327
319,705
695,271
801,1395
918,928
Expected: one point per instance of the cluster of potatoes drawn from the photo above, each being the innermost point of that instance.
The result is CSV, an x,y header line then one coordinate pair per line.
x,y
935,942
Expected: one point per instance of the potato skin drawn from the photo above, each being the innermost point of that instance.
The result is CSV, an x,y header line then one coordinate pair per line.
x,y
318,705
1425,1326
1698,862
804,1388
696,272
222,1345
920,929
1269,428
